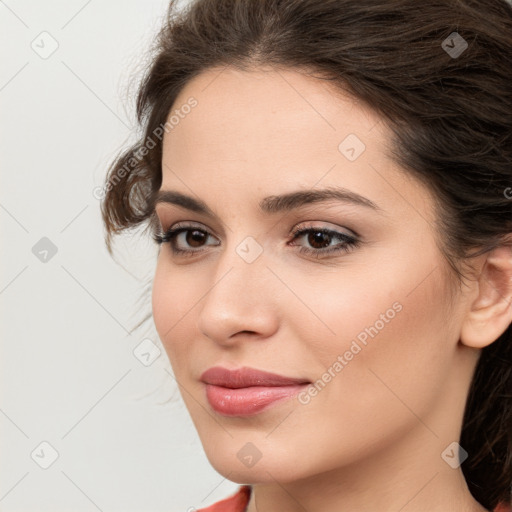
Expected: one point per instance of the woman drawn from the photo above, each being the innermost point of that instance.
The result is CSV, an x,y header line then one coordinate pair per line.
x,y
331,185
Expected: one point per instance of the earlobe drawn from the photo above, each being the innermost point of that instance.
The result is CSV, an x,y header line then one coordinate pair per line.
x,y
490,313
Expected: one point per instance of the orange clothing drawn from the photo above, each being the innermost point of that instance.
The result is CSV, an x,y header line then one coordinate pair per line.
x,y
235,503
238,503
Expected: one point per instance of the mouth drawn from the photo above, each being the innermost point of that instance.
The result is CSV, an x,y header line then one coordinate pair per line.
x,y
247,391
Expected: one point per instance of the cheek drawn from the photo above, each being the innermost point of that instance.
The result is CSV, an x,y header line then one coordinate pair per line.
x,y
392,302
385,308
173,299
393,338
402,366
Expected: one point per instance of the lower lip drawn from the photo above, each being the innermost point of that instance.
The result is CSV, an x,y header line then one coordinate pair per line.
x,y
248,401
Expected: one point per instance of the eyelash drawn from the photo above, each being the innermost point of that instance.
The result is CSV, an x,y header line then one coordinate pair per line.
x,y
349,242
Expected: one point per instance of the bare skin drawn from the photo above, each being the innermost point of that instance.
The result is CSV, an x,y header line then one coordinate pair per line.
x,y
376,436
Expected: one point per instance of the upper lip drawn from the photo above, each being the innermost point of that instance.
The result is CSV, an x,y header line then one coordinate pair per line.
x,y
246,377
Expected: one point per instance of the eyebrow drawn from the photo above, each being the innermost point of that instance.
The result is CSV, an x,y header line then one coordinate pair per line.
x,y
270,204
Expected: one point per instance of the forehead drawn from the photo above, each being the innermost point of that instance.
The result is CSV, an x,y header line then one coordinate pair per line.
x,y
250,115
232,97
268,129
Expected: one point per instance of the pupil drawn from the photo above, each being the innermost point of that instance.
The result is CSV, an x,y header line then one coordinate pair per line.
x,y
318,237
195,237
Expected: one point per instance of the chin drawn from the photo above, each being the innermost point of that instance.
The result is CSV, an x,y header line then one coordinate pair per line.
x,y
264,470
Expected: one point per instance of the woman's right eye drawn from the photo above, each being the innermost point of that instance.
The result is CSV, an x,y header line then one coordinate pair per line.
x,y
190,235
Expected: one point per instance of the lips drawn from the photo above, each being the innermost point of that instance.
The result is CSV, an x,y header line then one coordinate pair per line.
x,y
247,391
246,377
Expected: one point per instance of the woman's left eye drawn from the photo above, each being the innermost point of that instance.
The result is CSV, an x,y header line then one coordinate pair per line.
x,y
323,237
319,239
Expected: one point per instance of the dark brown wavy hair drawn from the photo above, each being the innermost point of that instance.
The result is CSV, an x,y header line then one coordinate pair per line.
x,y
450,113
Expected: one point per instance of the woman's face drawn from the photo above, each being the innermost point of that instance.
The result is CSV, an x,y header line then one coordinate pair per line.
x,y
369,325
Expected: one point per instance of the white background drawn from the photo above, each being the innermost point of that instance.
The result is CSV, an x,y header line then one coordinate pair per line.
x,y
69,377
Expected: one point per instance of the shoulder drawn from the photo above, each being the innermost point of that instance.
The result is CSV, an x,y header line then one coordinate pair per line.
x,y
235,503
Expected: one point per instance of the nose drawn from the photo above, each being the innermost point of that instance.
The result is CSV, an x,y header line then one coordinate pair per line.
x,y
240,302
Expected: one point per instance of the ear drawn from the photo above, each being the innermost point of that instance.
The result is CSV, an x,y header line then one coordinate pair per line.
x,y
490,313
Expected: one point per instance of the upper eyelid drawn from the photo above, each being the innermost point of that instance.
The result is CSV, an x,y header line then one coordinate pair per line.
x,y
160,222
348,208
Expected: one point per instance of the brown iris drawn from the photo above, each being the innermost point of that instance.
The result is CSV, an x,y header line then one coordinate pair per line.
x,y
195,237
317,237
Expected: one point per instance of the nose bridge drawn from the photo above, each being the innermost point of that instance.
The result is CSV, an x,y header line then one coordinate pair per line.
x,y
240,295
240,266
